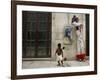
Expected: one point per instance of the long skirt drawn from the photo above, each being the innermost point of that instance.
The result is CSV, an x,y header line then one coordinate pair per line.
x,y
80,55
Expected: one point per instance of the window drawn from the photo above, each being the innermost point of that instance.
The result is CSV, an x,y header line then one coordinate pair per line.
x,y
36,34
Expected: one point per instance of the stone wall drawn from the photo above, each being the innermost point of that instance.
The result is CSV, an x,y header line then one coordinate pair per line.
x,y
59,21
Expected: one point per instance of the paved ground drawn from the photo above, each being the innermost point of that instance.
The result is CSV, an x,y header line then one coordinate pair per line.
x,y
47,64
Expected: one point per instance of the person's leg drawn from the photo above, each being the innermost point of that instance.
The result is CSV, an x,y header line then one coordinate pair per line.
x,y
58,60
62,62
61,59
58,63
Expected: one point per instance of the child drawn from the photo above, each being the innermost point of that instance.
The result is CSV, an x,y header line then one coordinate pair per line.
x,y
59,54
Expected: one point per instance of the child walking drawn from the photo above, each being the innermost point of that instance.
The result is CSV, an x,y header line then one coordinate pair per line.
x,y
59,54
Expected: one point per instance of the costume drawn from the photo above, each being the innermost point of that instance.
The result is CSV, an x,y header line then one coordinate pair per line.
x,y
80,54
80,46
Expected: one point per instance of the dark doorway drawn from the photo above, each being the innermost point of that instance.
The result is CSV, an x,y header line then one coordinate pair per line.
x,y
36,34
87,34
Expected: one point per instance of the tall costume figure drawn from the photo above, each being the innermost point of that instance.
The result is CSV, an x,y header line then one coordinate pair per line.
x,y
80,55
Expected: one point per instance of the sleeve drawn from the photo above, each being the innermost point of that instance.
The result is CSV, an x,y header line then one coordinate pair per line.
x,y
76,24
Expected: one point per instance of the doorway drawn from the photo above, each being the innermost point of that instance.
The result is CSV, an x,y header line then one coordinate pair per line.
x,y
36,34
